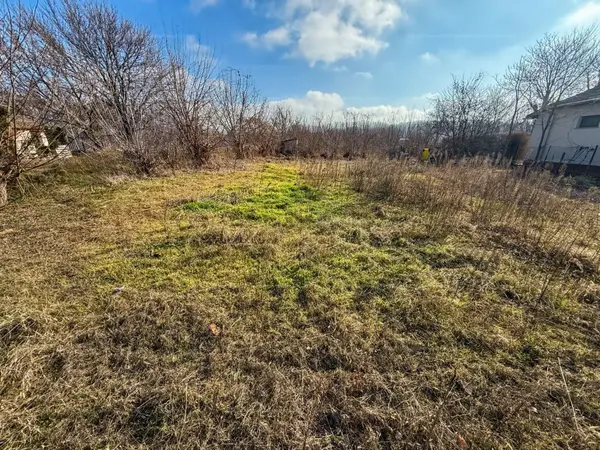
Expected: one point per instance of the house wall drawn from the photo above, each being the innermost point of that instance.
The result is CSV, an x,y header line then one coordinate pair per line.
x,y
26,137
63,151
565,142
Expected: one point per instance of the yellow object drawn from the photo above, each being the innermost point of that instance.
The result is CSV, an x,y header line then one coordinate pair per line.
x,y
425,155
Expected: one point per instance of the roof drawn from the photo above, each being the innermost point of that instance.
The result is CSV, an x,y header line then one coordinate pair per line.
x,y
589,96
22,123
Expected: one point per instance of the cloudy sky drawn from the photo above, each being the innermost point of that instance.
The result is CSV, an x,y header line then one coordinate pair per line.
x,y
379,56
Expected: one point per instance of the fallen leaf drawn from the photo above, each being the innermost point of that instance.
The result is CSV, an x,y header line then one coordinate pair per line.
x,y
461,442
118,290
214,329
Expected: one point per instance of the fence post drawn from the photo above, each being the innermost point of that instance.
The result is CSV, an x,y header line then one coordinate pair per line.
x,y
547,153
591,159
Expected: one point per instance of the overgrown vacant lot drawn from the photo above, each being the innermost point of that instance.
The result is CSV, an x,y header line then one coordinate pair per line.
x,y
271,308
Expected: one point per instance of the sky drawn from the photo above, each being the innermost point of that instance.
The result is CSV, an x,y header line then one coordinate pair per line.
x,y
381,57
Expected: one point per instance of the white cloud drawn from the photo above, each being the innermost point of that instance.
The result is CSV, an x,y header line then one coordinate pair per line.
x,y
198,5
277,37
331,30
584,15
421,101
193,45
429,58
365,75
250,4
316,102
338,69
251,39
328,38
383,113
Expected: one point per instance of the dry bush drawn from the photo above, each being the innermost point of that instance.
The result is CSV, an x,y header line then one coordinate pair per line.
x,y
103,168
469,117
352,135
517,146
187,92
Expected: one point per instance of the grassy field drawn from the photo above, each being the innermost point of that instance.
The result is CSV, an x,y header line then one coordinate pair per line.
x,y
277,307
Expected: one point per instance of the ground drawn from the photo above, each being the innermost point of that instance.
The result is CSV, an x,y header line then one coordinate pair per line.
x,y
254,308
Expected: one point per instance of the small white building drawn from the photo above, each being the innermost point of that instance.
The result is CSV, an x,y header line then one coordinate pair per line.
x,y
32,142
29,138
572,134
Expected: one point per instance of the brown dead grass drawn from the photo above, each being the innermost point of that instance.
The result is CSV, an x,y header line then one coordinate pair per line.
x,y
343,321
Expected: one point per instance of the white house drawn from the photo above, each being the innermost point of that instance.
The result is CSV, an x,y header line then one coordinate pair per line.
x,y
572,133
30,138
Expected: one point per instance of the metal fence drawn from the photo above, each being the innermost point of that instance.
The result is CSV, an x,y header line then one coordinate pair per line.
x,y
585,156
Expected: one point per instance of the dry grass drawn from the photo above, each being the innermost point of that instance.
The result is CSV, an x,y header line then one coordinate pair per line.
x,y
431,302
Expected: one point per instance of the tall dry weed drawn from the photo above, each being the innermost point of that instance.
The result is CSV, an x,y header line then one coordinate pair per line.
x,y
533,207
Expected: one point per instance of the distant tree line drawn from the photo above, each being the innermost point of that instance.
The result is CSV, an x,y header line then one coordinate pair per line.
x,y
474,117
93,80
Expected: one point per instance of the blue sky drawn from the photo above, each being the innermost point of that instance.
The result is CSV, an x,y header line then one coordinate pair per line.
x,y
379,56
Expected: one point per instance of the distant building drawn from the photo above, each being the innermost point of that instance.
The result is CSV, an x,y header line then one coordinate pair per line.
x,y
573,133
31,140
28,135
289,147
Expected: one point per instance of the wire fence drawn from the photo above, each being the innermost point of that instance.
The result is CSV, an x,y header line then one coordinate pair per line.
x,y
587,156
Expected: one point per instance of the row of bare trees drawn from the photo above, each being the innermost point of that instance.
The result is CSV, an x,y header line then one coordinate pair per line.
x,y
86,76
350,134
474,116
102,81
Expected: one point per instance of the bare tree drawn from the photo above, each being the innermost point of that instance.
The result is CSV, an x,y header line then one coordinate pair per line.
x,y
284,125
263,134
103,74
469,116
283,120
239,108
558,66
513,84
23,117
187,94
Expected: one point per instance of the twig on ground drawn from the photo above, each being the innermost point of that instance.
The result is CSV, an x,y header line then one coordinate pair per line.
x,y
569,397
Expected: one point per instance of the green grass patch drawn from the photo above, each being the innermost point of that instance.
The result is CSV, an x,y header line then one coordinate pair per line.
x,y
280,198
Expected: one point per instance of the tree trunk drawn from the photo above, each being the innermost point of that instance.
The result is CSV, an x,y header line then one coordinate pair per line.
x,y
545,130
3,193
